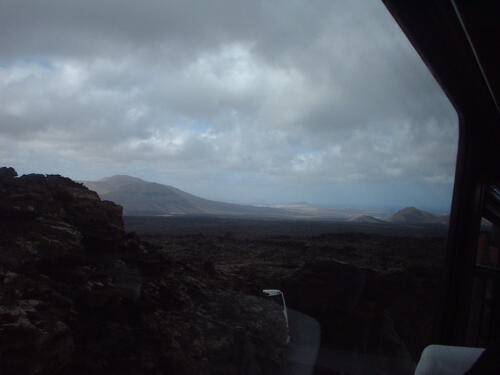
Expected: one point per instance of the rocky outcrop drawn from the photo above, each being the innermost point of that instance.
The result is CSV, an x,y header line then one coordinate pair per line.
x,y
78,295
7,173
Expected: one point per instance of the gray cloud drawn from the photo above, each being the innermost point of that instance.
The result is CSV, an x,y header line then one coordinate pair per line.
x,y
283,92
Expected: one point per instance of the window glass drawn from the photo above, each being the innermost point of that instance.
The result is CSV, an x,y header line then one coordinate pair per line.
x,y
284,170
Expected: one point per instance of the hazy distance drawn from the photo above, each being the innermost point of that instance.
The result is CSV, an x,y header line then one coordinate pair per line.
x,y
245,102
144,198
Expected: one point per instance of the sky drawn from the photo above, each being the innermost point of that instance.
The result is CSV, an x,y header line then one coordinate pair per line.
x,y
260,102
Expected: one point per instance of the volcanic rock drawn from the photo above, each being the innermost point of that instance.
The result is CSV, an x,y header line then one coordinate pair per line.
x,y
78,295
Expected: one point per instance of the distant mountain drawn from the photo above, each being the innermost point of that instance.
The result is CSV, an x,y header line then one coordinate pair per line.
x,y
412,215
109,184
366,219
139,197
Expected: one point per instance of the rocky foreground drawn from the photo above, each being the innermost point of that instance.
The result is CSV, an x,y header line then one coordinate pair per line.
x,y
78,295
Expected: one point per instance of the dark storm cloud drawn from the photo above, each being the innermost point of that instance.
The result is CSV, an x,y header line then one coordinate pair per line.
x,y
322,90
94,27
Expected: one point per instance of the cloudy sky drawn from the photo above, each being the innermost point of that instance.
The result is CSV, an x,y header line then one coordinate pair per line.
x,y
264,101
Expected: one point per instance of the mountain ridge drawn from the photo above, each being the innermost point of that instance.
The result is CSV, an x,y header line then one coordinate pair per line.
x,y
140,197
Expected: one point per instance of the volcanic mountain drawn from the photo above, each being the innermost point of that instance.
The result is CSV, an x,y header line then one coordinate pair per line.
x,y
139,197
412,215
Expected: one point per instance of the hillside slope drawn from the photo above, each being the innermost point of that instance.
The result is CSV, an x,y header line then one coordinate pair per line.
x,y
139,197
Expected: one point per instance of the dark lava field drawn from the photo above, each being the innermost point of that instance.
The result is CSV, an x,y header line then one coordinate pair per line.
x,y
373,288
